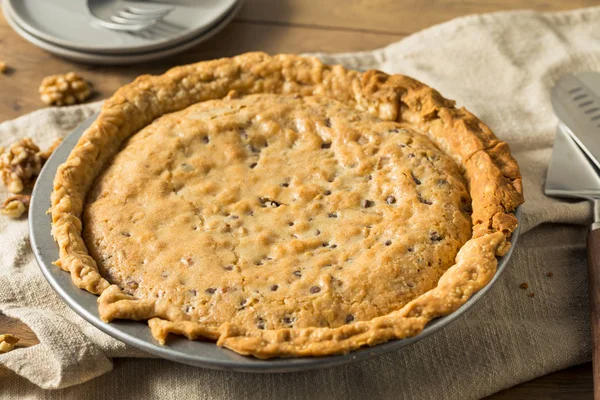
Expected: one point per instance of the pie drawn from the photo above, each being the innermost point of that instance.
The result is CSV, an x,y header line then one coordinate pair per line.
x,y
283,207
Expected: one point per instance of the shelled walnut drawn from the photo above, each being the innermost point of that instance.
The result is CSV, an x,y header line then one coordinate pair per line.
x,y
15,206
21,164
7,342
64,90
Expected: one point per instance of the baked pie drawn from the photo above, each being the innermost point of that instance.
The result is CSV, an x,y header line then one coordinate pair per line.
x,y
283,207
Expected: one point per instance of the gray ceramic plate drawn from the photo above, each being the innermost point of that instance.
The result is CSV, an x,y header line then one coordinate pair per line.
x,y
118,59
198,353
69,24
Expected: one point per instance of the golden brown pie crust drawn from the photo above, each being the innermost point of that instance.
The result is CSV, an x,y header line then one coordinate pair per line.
x,y
491,174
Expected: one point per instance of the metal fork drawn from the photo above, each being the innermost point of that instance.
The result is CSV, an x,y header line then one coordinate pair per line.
x,y
123,17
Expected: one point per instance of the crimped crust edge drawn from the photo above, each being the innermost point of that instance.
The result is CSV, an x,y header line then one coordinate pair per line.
x,y
493,176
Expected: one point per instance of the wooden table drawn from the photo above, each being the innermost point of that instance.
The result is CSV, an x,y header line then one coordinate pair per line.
x,y
277,26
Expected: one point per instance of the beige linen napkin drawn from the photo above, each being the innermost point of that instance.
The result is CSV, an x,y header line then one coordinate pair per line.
x,y
501,67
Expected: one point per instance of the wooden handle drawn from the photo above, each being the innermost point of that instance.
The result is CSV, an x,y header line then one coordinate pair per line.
x,y
593,252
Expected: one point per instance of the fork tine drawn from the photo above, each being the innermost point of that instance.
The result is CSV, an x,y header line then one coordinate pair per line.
x,y
136,17
148,11
126,27
126,21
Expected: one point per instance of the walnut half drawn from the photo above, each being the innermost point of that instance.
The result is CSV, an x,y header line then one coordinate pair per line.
x,y
7,342
15,206
64,90
21,164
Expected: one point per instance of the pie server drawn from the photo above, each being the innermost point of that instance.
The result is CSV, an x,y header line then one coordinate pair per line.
x,y
573,174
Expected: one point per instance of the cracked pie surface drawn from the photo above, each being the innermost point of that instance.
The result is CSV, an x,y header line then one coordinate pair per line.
x,y
283,207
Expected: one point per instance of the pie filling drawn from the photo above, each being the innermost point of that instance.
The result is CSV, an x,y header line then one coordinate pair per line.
x,y
277,211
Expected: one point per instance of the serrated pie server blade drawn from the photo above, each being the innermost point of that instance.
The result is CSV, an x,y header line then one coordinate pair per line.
x,y
576,101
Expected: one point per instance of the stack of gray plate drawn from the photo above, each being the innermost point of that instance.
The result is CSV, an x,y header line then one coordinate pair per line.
x,y
68,29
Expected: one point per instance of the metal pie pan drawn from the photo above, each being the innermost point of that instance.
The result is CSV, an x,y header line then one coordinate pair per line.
x,y
198,353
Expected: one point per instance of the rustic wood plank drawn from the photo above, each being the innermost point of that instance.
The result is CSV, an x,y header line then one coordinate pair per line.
x,y
399,17
14,326
573,383
23,332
